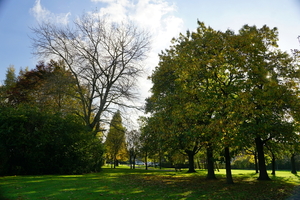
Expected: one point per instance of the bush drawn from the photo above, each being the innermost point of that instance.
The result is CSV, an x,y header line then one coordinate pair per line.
x,y
36,142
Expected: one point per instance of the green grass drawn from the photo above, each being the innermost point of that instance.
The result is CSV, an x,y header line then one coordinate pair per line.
x,y
123,183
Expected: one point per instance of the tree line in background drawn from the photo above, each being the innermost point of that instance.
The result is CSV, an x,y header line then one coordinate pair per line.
x,y
217,98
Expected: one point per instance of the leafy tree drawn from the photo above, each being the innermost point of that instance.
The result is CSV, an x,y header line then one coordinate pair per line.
x,y
174,106
115,140
198,90
269,96
48,86
252,152
145,141
152,141
276,150
294,149
105,59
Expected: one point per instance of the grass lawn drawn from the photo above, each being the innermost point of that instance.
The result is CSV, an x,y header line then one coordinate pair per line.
x,y
123,183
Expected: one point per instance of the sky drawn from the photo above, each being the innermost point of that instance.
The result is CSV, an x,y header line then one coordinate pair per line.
x,y
164,19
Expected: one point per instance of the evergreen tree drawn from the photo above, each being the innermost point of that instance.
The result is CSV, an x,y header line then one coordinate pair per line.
x,y
10,81
10,76
115,141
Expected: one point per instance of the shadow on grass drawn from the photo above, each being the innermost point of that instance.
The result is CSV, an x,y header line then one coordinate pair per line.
x,y
142,184
245,187
297,176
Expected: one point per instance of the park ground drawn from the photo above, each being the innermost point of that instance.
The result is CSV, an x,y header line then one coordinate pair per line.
x,y
124,183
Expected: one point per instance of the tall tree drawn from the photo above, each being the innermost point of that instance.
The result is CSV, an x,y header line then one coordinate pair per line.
x,y
105,58
198,88
133,146
10,81
115,140
10,77
153,139
181,95
277,150
269,98
251,150
294,149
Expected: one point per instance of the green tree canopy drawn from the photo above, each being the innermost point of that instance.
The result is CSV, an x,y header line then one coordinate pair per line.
x,y
225,89
115,140
9,82
48,86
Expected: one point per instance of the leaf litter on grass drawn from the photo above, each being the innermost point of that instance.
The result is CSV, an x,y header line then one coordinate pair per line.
x,y
197,186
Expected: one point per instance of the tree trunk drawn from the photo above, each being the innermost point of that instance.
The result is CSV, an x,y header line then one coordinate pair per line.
x,y
114,160
146,161
255,161
217,166
293,162
191,161
263,175
229,179
134,161
198,163
131,159
160,161
115,163
273,163
210,164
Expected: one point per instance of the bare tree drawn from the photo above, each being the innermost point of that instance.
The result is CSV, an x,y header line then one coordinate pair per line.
x,y
133,146
104,57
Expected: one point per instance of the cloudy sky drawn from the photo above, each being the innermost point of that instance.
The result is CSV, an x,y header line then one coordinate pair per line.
x,y
163,18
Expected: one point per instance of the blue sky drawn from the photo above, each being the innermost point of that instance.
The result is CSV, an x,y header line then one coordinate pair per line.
x,y
164,18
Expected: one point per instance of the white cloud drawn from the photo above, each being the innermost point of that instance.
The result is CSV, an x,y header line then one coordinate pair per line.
x,y
157,16
104,1
117,10
43,15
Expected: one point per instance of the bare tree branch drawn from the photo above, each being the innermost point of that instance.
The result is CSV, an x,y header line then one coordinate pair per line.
x,y
105,59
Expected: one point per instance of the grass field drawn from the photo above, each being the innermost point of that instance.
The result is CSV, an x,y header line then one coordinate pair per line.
x,y
123,183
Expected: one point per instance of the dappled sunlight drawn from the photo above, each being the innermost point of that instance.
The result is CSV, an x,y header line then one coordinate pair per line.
x,y
185,195
147,184
30,192
137,191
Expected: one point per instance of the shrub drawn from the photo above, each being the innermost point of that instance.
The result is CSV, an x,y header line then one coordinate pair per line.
x,y
37,142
